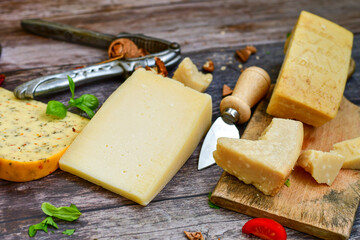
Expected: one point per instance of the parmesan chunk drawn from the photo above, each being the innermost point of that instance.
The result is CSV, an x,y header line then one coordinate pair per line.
x,y
141,136
312,78
265,163
323,166
31,143
188,74
350,149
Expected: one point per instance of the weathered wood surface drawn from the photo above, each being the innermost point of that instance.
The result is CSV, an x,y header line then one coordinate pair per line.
x,y
216,28
306,205
195,25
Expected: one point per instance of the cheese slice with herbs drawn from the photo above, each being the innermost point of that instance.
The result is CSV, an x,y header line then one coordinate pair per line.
x,y
312,78
350,149
31,143
265,163
140,137
323,166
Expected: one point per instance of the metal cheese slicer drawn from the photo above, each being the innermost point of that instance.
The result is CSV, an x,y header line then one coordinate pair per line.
x,y
168,52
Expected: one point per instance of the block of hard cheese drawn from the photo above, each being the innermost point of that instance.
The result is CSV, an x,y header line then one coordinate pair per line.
x,y
31,143
312,78
323,166
141,136
265,163
350,149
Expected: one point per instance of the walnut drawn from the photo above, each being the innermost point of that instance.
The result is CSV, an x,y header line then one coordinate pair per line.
x,y
123,48
226,90
208,66
194,235
251,48
245,53
161,68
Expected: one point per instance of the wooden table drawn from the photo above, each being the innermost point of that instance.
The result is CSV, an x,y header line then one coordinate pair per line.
x,y
205,29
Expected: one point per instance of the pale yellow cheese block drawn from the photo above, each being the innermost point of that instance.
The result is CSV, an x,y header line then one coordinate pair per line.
x,y
323,166
141,136
31,143
265,163
350,149
312,78
188,74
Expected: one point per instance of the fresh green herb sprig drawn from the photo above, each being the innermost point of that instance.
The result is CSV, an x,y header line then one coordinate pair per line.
x,y
69,232
64,213
287,183
212,205
87,103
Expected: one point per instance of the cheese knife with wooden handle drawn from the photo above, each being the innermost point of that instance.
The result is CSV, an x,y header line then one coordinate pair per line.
x,y
252,85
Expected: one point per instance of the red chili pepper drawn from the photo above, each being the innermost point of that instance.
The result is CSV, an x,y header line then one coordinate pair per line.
x,y
265,228
2,78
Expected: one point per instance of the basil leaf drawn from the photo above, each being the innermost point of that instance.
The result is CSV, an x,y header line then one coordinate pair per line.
x,y
50,221
64,213
34,228
56,109
87,100
86,109
74,207
71,86
69,232
72,102
42,226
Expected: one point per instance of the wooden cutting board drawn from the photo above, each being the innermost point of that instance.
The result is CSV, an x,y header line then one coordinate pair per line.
x,y
316,209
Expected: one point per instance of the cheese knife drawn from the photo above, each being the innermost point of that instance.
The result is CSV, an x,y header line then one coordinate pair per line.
x,y
251,86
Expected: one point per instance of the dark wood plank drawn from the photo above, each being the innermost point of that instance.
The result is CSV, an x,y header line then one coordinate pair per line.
x,y
207,24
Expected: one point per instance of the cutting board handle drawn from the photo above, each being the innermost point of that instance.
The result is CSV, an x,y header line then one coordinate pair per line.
x,y
252,85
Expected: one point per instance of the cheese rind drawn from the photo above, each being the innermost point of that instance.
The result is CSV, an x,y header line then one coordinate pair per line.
x,y
31,143
350,149
312,79
265,163
141,136
188,74
323,166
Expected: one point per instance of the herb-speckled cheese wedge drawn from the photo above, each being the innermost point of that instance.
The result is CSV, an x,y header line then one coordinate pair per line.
x,y
31,143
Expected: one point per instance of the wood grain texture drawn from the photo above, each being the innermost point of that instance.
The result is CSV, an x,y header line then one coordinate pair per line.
x,y
208,24
205,29
317,209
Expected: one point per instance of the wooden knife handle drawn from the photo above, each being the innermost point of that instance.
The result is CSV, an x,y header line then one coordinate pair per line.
x,y
251,86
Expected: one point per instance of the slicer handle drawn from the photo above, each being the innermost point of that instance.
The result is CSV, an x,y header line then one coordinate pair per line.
x,y
252,85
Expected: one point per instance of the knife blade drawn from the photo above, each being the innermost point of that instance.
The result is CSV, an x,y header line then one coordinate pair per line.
x,y
251,86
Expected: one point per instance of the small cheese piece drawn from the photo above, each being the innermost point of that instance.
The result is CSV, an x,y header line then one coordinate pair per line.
x,y
141,136
188,74
323,166
31,143
265,163
312,78
350,149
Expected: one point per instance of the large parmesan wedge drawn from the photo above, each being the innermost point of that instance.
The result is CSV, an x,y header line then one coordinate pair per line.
x,y
141,136
31,143
265,163
312,78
